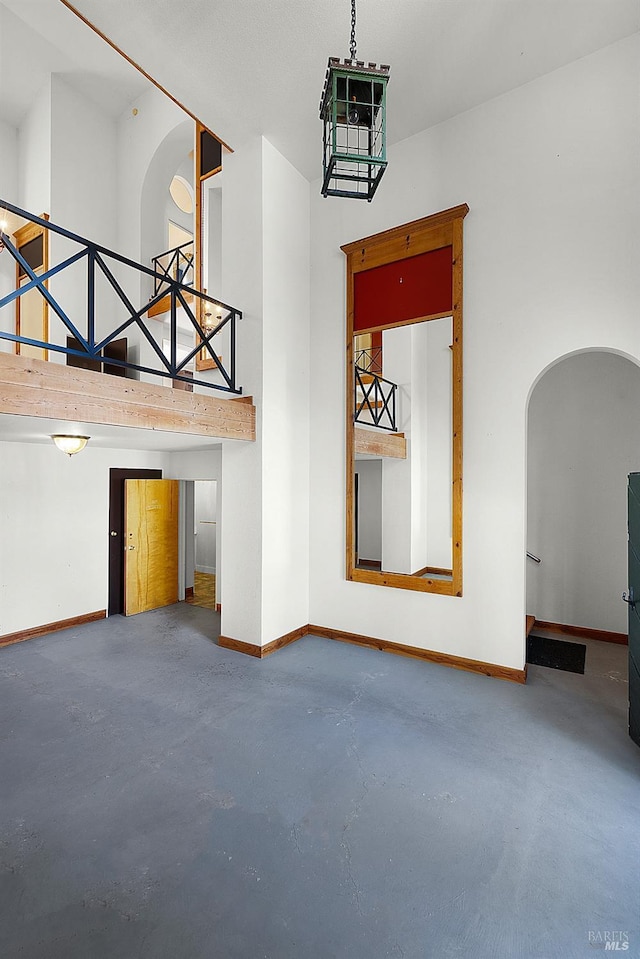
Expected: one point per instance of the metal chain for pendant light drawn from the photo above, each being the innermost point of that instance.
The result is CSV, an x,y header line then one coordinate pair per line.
x,y
352,46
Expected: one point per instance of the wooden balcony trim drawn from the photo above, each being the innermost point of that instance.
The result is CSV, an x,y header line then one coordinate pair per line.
x,y
30,387
380,444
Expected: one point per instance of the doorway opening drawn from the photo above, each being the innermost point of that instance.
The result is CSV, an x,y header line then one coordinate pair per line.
x,y
580,450
117,479
202,546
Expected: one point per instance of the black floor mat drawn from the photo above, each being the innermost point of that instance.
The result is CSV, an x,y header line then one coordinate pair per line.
x,y
556,653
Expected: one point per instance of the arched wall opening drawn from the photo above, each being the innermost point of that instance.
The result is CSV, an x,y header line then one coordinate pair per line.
x,y
581,445
171,157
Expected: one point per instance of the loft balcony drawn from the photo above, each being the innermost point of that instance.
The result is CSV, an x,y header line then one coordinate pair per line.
x,y
375,408
83,351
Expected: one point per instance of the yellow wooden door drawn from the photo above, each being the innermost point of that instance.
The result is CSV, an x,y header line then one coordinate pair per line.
x,y
151,544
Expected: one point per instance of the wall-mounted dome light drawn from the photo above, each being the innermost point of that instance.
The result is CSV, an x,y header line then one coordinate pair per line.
x,y
70,444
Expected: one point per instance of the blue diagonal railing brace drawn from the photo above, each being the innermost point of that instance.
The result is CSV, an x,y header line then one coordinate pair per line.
x,y
165,286
38,282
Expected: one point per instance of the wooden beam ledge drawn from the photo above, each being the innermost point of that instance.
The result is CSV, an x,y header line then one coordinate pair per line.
x,y
30,387
380,444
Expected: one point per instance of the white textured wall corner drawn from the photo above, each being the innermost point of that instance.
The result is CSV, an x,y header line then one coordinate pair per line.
x,y
285,426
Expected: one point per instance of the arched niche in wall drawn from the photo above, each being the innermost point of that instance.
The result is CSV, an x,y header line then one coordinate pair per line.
x,y
156,206
404,405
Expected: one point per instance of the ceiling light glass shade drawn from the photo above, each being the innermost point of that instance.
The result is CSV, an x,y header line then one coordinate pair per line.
x,y
70,444
353,110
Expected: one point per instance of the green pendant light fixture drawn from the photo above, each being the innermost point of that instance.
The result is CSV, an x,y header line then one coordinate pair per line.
x,y
353,112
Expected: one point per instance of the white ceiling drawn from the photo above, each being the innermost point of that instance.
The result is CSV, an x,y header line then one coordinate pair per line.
x,y
257,66
33,429
39,37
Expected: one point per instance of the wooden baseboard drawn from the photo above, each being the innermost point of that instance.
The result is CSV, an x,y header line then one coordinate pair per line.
x,y
435,570
10,638
188,592
218,608
259,652
250,649
529,623
583,632
415,652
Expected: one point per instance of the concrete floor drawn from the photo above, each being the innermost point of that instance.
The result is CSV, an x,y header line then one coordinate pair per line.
x,y
162,798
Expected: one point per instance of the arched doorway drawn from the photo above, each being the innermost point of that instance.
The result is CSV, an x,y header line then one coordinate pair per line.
x,y
581,446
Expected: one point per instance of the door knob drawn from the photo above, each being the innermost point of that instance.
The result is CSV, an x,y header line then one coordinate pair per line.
x,y
629,598
113,532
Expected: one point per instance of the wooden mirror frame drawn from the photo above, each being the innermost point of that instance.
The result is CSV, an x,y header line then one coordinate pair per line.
x,y
400,243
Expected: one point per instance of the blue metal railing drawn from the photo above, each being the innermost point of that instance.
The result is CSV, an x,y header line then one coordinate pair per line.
x,y
175,264
97,258
375,400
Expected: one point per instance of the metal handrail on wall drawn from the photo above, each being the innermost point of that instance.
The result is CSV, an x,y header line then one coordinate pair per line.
x,y
376,405
97,256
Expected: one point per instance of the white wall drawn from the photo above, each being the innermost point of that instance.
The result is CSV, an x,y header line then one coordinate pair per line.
x,y
84,187
369,509
285,426
196,465
8,162
241,530
9,192
265,272
551,254
438,427
34,151
205,526
582,444
397,474
83,200
139,137
416,491
54,517
186,538
151,144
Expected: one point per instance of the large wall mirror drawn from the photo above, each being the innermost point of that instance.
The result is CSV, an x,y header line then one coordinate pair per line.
x,y
404,406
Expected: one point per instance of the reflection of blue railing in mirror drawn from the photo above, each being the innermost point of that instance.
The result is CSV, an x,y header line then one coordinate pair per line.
x,y
375,400
369,360
176,264
90,346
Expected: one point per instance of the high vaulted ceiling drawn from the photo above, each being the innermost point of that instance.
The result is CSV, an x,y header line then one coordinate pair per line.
x,y
257,66
40,37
